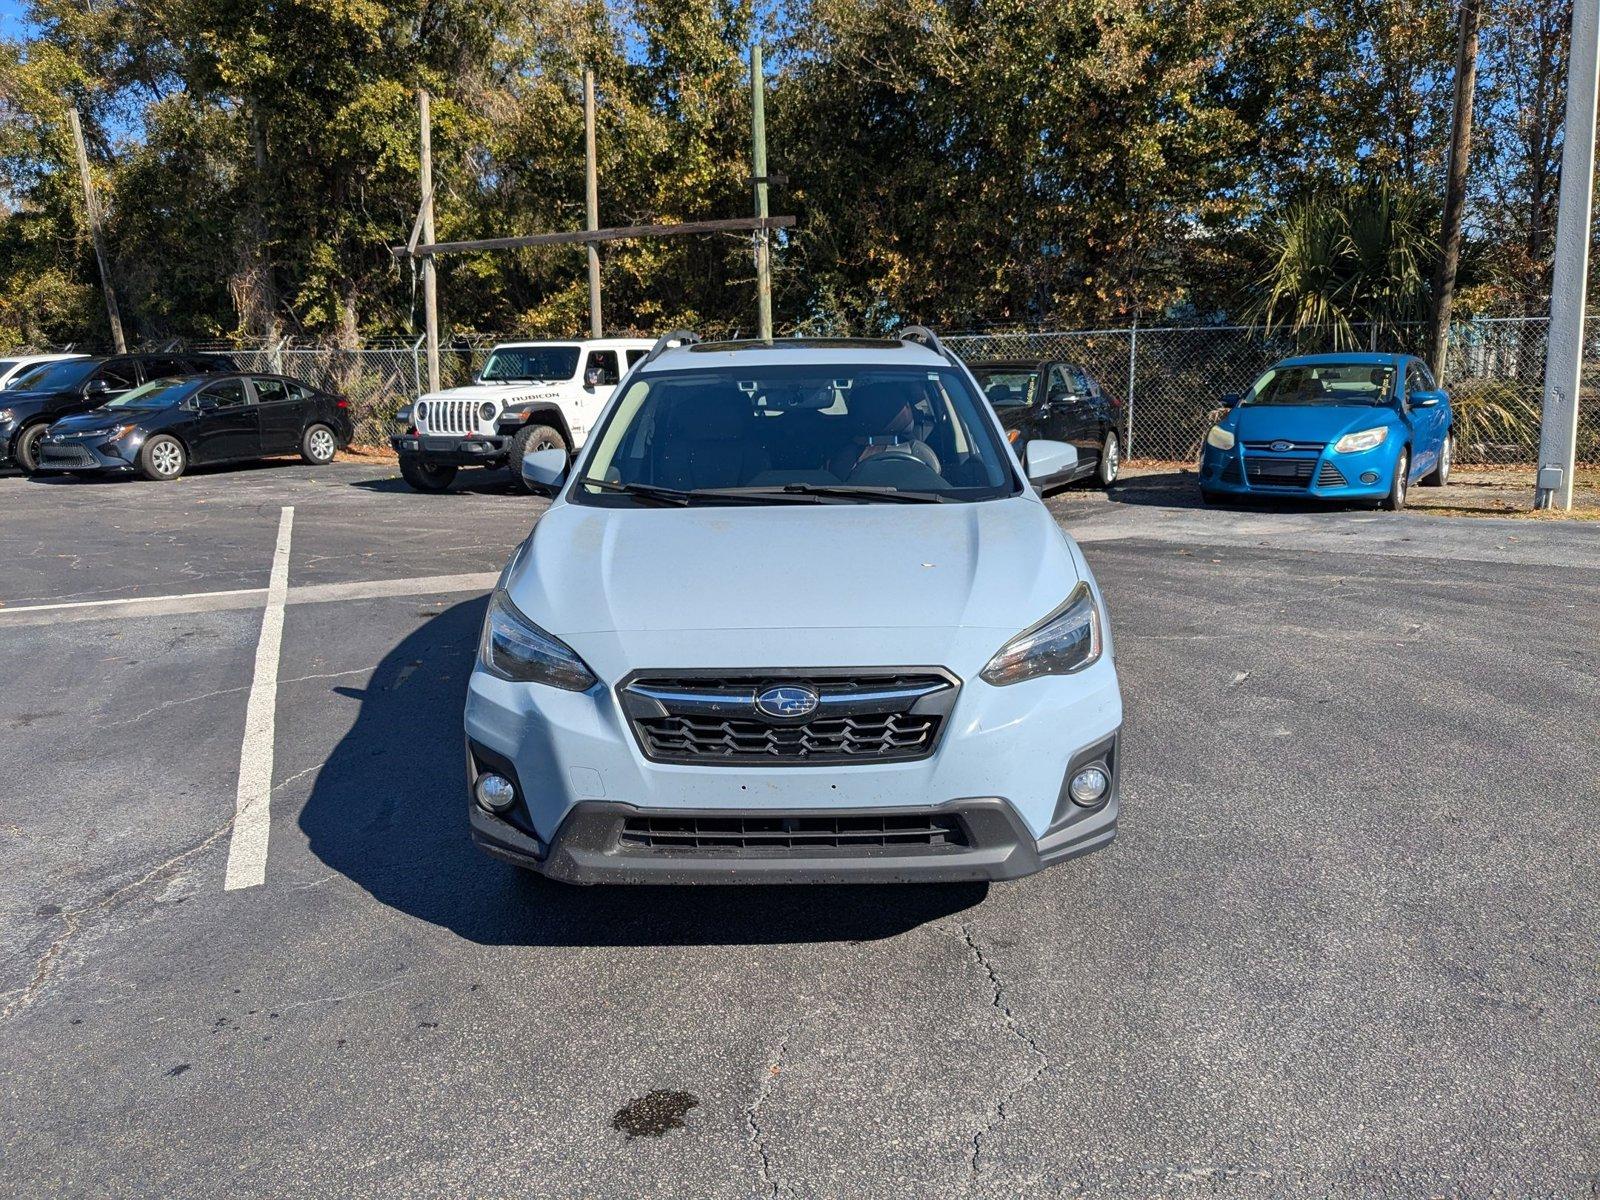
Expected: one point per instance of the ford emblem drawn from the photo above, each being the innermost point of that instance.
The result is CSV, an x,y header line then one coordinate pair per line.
x,y
787,701
1280,447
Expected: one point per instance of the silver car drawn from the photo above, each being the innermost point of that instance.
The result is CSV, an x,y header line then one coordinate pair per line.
x,y
796,613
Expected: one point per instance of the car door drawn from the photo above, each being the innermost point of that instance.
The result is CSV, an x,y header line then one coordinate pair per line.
x,y
227,425
1426,423
113,377
282,414
1065,417
597,379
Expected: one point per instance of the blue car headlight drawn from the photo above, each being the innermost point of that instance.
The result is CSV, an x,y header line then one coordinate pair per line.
x,y
1219,438
1065,642
1362,439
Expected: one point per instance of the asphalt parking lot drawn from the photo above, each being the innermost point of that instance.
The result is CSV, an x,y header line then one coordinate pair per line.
x,y
1345,944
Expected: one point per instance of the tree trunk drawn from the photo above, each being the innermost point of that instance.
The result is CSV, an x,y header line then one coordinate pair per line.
x,y
1455,196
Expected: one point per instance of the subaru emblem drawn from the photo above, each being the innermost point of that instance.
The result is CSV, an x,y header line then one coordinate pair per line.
x,y
1280,447
787,701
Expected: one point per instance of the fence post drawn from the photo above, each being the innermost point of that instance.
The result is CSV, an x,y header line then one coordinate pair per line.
x,y
1133,370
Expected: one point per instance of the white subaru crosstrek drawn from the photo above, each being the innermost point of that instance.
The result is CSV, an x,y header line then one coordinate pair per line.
x,y
796,613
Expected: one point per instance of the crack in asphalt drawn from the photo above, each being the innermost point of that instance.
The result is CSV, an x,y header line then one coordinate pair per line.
x,y
997,1000
73,921
757,1137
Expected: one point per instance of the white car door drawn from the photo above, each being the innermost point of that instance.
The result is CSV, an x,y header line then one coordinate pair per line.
x,y
597,379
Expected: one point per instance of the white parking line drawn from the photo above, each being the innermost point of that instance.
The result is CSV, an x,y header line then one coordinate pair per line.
x,y
252,819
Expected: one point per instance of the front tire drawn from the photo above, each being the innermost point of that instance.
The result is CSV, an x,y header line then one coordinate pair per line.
x,y
27,452
1110,465
425,477
1440,475
1396,499
526,441
318,445
163,459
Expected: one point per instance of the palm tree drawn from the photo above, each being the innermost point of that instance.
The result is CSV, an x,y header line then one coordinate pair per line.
x,y
1346,256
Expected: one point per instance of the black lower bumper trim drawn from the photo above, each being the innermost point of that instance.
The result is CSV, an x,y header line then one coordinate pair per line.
x,y
476,451
589,848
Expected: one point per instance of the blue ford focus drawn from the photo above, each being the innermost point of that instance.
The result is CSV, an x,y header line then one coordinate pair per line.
x,y
1332,426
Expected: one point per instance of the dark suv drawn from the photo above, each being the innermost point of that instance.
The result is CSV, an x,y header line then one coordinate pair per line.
x,y
75,385
1058,401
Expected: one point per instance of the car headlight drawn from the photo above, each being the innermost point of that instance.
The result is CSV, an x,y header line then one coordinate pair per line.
x,y
6,414
1364,439
486,411
114,432
1066,641
420,411
1220,438
514,648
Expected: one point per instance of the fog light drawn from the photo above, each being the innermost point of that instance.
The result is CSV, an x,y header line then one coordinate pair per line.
x,y
494,793
1369,477
1089,786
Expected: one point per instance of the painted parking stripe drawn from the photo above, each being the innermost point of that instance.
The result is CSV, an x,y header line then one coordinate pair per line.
x,y
242,598
252,814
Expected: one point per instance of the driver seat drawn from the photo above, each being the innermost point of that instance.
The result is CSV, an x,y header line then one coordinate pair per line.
x,y
887,424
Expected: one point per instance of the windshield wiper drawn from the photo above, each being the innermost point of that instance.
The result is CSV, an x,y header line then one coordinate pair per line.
x,y
640,491
844,491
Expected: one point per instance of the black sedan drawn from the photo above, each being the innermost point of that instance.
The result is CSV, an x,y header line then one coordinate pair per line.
x,y
161,428
50,391
1058,401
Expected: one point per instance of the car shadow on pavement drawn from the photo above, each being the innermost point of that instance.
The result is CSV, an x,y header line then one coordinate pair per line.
x,y
388,810
475,481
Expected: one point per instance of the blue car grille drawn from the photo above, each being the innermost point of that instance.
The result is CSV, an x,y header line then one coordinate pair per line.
x,y
1288,447
1330,476
1230,472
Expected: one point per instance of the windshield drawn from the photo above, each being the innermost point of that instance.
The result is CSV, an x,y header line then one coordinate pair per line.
x,y
1007,389
547,363
54,376
1324,383
5,365
158,393
846,434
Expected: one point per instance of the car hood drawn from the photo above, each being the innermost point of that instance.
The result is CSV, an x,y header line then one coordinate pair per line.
x,y
13,399
1305,423
998,564
97,418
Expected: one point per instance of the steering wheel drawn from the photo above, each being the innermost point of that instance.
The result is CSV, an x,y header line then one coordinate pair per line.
x,y
891,454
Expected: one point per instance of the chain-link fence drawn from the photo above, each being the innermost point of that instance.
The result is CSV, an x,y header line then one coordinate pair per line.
x,y
1171,381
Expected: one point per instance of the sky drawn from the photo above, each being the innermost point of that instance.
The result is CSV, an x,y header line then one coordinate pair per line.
x,y
12,24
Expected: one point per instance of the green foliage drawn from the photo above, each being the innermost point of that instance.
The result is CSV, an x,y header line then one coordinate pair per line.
x,y
1347,256
952,161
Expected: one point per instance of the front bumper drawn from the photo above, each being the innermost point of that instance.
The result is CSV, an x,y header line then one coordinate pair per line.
x,y
1001,764
1308,472
442,450
75,453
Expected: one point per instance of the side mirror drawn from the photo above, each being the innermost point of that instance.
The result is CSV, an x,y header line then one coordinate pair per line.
x,y
1044,459
1426,399
545,470
592,377
97,387
1230,399
477,377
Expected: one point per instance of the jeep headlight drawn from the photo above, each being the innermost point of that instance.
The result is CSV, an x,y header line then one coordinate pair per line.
x,y
1065,642
420,410
1364,439
1220,438
486,411
514,648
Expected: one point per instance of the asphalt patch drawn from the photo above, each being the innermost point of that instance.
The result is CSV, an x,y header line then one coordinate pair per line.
x,y
655,1114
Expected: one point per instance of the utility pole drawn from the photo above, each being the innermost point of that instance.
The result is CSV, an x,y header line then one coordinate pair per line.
x,y
430,282
758,168
1563,362
591,201
1455,195
91,206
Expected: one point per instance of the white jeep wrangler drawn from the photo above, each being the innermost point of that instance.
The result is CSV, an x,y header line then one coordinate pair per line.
x,y
529,396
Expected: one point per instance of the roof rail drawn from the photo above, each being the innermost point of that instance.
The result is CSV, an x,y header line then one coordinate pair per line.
x,y
668,341
923,336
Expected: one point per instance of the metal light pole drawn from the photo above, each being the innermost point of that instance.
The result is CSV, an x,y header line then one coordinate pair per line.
x,y
1563,363
591,200
758,167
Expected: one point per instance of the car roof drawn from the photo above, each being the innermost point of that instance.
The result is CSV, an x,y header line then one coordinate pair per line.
x,y
799,352
1014,364
1362,358
629,342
